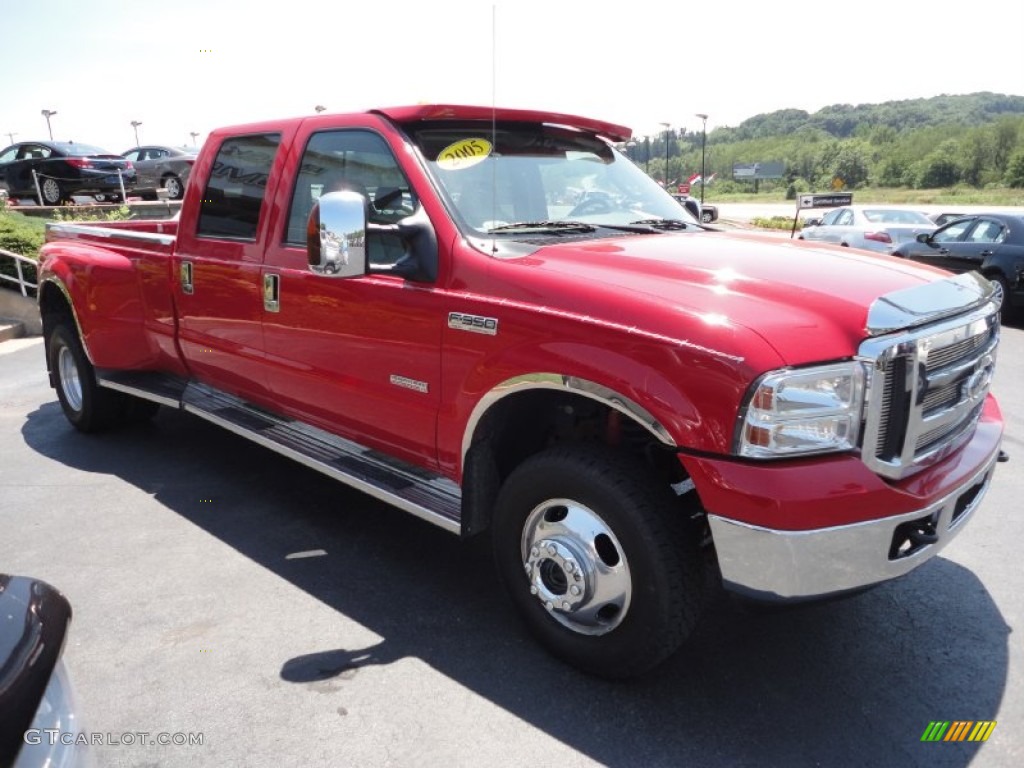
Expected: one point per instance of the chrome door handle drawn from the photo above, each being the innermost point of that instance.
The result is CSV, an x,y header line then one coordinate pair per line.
x,y
272,292
186,278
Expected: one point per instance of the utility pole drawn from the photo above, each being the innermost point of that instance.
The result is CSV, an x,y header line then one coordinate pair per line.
x,y
48,113
135,125
666,126
193,134
703,166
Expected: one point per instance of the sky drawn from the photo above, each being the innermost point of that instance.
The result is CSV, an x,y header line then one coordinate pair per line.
x,y
184,66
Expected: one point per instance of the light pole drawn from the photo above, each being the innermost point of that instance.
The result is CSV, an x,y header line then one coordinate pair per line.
x,y
647,155
135,125
666,126
48,113
703,144
10,137
319,108
193,134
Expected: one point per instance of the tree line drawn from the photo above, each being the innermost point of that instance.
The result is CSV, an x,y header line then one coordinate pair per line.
x,y
975,140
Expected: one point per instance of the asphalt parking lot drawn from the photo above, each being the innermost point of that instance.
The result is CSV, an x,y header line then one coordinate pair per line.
x,y
222,590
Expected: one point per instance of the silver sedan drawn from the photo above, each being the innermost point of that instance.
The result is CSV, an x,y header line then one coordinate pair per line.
x,y
871,227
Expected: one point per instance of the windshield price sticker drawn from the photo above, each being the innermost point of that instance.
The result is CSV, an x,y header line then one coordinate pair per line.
x,y
464,153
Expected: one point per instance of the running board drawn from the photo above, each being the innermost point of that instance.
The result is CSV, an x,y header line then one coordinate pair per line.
x,y
427,495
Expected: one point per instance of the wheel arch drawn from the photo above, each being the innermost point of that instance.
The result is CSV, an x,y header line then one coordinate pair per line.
x,y
525,414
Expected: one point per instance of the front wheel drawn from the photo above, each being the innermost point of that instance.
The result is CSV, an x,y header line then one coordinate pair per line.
x,y
50,191
598,558
706,217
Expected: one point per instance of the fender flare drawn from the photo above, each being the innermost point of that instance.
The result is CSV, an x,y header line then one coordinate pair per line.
x,y
563,383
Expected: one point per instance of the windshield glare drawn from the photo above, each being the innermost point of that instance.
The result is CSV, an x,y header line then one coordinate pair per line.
x,y
515,173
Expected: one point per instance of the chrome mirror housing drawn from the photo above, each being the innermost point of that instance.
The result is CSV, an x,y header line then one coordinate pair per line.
x,y
336,235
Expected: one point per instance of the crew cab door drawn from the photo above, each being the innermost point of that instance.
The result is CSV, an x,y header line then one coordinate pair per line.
x,y
361,356
217,266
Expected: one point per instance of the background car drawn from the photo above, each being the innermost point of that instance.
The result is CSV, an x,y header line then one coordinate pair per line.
x,y
871,227
64,169
162,167
989,243
36,698
943,218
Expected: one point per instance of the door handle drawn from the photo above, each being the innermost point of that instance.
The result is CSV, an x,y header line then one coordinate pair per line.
x,y
186,278
986,253
944,251
272,292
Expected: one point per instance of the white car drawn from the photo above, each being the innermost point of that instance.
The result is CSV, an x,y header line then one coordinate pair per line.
x,y
871,227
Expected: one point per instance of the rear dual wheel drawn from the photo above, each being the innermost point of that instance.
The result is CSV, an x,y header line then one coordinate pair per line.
x,y
88,406
598,559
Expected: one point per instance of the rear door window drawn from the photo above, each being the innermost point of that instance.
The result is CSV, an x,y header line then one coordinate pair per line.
x,y
234,195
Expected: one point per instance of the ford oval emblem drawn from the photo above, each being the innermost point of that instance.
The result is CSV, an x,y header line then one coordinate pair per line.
x,y
978,382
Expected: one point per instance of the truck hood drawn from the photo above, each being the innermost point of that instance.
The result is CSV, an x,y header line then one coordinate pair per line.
x,y
808,302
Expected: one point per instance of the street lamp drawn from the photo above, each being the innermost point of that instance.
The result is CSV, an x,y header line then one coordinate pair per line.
x,y
135,125
319,108
703,144
48,113
193,134
666,126
10,137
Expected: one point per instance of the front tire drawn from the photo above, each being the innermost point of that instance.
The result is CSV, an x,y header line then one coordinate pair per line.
x,y
706,217
86,405
50,191
598,558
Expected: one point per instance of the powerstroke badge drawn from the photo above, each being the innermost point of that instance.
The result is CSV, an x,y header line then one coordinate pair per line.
x,y
473,323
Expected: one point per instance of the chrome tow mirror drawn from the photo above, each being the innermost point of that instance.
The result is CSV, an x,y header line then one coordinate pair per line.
x,y
336,235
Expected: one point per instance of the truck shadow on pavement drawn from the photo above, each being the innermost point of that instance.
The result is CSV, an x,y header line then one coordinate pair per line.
x,y
854,681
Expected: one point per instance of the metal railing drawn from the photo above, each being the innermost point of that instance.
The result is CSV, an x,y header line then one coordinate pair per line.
x,y
22,265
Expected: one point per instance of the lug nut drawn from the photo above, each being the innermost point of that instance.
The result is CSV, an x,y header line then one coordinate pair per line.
x,y
534,552
552,550
574,590
533,590
565,606
549,606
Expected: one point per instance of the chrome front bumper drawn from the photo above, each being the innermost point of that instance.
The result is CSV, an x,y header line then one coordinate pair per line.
x,y
782,565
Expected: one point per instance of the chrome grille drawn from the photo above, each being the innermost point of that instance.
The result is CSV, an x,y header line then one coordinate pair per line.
x,y
928,387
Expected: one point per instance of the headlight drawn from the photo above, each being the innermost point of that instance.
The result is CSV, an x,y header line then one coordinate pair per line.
x,y
808,410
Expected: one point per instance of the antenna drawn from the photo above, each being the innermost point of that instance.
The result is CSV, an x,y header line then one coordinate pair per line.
x,y
494,120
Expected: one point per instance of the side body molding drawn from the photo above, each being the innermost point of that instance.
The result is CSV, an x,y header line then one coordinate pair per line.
x,y
573,384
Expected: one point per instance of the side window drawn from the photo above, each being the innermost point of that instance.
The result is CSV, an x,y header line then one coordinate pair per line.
x,y
830,218
360,161
952,233
133,155
986,232
845,218
234,194
8,155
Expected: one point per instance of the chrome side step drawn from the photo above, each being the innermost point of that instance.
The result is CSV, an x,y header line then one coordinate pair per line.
x,y
425,494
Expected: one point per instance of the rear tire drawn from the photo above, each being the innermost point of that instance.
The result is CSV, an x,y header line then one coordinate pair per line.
x,y
88,407
598,558
175,189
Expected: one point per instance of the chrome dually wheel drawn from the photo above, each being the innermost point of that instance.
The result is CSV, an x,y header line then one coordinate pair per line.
x,y
598,557
576,566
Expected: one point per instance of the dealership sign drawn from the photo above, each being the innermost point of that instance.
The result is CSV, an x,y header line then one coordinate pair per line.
x,y
825,201
755,171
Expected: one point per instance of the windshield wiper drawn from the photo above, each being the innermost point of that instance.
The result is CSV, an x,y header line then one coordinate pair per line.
x,y
544,226
664,224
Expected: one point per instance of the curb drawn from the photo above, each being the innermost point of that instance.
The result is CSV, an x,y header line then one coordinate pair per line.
x,y
11,329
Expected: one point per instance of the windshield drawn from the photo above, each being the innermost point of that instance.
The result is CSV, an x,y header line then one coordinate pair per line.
x,y
513,176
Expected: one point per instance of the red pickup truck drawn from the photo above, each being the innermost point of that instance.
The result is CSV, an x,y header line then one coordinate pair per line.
x,y
422,303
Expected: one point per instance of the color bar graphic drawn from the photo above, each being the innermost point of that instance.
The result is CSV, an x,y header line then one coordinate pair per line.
x,y
958,730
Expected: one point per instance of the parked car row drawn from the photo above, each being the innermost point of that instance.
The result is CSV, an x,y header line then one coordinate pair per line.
x,y
54,172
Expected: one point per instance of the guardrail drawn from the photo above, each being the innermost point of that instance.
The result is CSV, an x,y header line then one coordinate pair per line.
x,y
22,264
